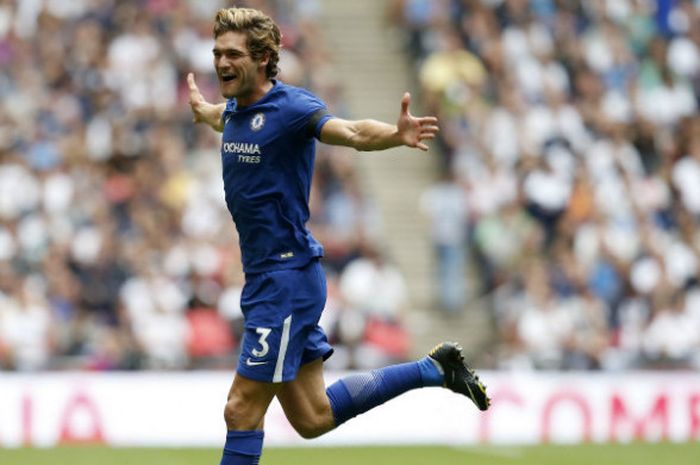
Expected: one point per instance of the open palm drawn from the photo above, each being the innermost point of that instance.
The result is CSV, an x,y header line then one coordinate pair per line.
x,y
203,111
414,130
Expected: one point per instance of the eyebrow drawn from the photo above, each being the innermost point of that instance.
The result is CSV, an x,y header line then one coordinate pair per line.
x,y
227,50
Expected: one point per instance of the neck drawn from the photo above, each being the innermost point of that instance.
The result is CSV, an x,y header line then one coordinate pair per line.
x,y
258,92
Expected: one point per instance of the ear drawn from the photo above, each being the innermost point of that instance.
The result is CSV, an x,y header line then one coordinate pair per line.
x,y
264,60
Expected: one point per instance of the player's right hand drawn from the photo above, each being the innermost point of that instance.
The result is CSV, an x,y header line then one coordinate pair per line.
x,y
197,101
203,111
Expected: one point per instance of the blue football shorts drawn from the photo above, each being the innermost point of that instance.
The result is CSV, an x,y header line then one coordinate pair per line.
x,y
281,310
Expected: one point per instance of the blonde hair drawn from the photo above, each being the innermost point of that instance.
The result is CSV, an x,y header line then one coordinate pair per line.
x,y
263,34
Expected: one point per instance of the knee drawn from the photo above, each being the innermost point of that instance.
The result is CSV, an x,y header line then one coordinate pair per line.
x,y
230,413
313,426
309,430
239,415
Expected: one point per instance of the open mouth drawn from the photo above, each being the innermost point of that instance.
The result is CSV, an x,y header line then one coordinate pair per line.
x,y
228,77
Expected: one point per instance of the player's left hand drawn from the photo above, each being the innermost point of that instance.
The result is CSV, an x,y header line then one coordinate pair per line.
x,y
414,130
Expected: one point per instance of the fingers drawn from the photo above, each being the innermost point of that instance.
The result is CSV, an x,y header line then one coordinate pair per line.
x,y
191,84
405,101
423,133
419,143
428,132
427,124
418,129
427,120
196,98
195,94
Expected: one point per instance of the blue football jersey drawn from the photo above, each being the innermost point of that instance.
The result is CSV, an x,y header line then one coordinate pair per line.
x,y
268,151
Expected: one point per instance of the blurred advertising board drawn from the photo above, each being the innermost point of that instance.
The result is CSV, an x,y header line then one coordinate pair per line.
x,y
186,409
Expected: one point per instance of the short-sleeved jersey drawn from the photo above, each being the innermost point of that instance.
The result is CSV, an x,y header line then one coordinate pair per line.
x,y
268,151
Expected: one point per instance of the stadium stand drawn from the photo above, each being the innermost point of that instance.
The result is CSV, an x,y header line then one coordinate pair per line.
x,y
116,249
569,132
571,129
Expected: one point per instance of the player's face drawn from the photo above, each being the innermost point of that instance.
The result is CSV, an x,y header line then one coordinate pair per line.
x,y
238,73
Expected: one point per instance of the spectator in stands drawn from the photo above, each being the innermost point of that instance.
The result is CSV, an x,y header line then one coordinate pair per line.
x,y
671,340
111,200
445,206
25,326
371,286
589,108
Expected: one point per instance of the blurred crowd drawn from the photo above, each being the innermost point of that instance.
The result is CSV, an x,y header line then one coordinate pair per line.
x,y
571,176
116,248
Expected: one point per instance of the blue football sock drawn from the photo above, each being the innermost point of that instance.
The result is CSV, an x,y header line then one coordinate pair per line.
x,y
243,448
357,394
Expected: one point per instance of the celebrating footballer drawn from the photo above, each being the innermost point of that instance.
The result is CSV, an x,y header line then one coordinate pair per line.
x,y
268,148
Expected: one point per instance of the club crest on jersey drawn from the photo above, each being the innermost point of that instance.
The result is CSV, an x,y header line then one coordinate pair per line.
x,y
257,122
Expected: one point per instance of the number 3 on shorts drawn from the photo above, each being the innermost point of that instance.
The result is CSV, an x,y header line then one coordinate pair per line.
x,y
263,332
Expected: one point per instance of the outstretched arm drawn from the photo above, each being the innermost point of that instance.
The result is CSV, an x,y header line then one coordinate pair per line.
x,y
205,112
369,134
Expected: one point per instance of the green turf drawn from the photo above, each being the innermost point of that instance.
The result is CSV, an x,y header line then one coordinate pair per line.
x,y
634,454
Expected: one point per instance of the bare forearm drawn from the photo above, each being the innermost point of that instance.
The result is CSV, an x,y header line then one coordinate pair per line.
x,y
375,135
362,135
368,134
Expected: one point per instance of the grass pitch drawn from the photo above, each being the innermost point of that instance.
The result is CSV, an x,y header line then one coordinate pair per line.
x,y
633,454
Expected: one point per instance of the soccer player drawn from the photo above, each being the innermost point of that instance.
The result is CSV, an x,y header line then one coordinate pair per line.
x,y
269,131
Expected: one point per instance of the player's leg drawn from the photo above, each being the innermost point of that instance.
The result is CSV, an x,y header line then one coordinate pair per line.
x,y
280,308
263,352
305,402
244,414
247,403
313,410
443,366
356,394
